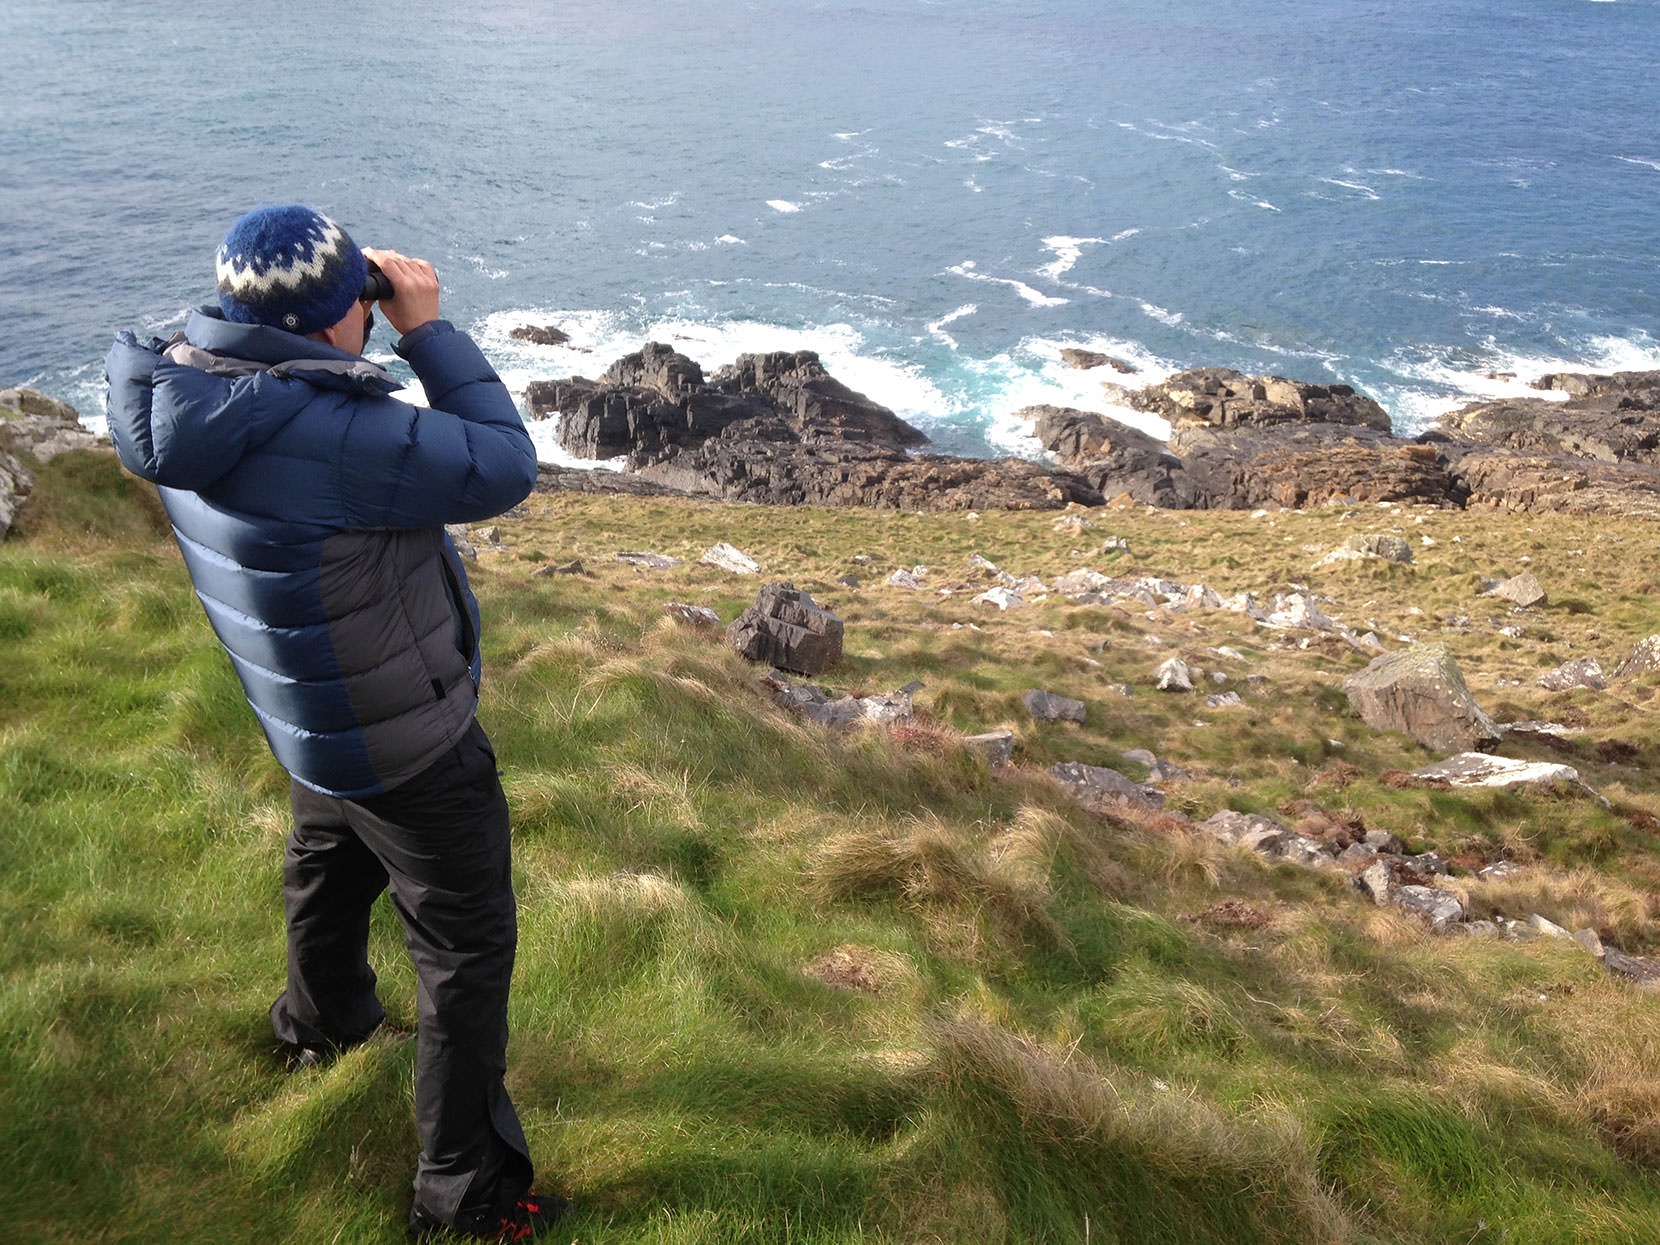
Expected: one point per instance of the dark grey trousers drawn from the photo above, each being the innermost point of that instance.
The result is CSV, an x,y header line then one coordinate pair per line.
x,y
439,844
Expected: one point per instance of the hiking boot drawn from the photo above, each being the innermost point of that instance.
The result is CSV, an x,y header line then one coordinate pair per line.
x,y
525,1220
298,1058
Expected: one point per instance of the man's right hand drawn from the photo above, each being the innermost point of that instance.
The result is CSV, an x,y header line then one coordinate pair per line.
x,y
414,298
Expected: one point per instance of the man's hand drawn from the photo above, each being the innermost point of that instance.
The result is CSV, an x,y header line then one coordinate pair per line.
x,y
414,298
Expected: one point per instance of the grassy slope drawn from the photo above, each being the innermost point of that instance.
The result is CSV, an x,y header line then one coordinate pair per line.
x,y
1059,1033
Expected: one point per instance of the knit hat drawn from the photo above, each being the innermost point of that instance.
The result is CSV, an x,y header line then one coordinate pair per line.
x,y
289,267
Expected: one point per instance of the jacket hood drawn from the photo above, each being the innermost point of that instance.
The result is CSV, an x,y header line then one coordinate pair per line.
x,y
183,412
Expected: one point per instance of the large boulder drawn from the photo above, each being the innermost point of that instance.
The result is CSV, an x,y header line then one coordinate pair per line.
x,y
1421,693
785,628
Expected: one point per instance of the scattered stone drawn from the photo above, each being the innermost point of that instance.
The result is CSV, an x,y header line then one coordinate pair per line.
x,y
1174,676
462,541
1539,730
1098,781
1421,693
1440,908
698,615
1251,830
490,536
1048,707
1477,769
1297,610
728,558
996,748
573,567
1071,524
1429,863
1642,970
1223,700
1115,544
1299,849
1002,598
786,629
1523,590
1377,881
1500,869
849,581
1547,927
1166,771
1588,939
1581,672
1382,545
1384,841
1643,657
647,561
904,579
1140,756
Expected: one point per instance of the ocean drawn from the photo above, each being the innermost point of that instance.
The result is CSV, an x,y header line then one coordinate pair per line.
x,y
1431,202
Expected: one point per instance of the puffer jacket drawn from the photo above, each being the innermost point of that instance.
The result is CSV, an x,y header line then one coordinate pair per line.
x,y
309,506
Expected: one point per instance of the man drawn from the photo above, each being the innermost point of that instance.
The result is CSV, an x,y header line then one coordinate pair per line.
x,y
309,506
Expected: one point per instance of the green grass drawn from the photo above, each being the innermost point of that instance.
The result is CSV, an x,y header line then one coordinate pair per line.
x,y
779,985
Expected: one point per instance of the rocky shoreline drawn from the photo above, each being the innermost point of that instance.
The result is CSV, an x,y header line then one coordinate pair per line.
x,y
778,429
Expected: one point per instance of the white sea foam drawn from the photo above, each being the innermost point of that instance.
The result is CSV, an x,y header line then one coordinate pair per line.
x,y
1357,187
1035,297
1436,384
1647,164
1245,198
731,239
1033,375
783,205
1068,251
937,327
1169,318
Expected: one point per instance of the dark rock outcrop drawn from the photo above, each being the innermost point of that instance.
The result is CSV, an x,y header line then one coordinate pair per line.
x,y
778,429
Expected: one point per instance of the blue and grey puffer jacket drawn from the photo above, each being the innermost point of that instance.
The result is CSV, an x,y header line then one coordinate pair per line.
x,y
309,506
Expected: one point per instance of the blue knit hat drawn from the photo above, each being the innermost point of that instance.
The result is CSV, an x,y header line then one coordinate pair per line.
x,y
289,267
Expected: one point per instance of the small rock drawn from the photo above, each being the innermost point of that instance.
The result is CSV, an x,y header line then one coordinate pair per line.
x,y
1543,925
1643,657
1002,598
1588,939
698,615
728,558
1376,881
1384,841
1581,672
462,541
1636,968
1223,700
1440,908
1048,707
1173,676
649,561
573,567
1100,781
1524,590
904,579
996,748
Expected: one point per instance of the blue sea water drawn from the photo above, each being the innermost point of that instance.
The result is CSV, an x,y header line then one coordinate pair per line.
x,y
1419,199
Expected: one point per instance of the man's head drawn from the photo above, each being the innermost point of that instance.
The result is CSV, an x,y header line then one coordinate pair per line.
x,y
291,268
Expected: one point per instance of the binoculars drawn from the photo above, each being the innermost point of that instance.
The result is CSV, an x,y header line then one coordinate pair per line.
x,y
376,286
